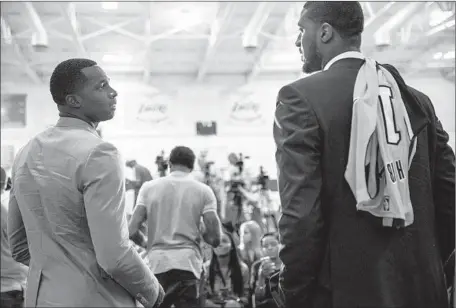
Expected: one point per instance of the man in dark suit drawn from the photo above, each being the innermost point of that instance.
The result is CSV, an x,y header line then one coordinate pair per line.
x,y
333,255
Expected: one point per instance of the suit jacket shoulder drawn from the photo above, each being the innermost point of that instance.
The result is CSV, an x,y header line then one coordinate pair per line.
x,y
328,93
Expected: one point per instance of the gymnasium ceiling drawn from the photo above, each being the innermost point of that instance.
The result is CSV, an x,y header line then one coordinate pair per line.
x,y
146,40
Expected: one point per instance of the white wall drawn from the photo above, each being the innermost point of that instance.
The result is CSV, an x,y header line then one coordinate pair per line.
x,y
186,105
189,103
442,94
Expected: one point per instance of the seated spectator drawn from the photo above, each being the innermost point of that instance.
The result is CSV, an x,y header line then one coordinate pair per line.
x,y
227,277
250,248
262,270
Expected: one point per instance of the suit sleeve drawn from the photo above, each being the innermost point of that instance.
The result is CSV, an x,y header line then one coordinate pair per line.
x,y
298,155
444,192
104,200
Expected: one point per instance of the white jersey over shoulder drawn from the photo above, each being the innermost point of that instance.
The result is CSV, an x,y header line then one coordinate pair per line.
x,y
382,147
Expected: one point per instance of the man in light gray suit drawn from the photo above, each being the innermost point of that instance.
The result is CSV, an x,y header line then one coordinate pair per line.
x,y
66,214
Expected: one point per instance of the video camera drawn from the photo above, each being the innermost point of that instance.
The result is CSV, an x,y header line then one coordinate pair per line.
x,y
206,169
162,164
263,179
237,181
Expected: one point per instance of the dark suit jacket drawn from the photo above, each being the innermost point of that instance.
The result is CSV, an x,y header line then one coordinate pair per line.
x,y
333,255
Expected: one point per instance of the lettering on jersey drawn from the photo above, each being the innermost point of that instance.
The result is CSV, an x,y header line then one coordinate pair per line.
x,y
396,171
400,170
393,135
386,203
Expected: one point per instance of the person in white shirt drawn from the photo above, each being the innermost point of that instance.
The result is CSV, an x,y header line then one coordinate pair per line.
x,y
173,207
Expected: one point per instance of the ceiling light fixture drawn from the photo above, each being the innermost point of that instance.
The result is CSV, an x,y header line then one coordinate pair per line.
x,y
109,5
438,55
446,25
449,55
438,16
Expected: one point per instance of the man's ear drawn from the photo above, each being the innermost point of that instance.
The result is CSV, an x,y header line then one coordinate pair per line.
x,y
73,101
326,32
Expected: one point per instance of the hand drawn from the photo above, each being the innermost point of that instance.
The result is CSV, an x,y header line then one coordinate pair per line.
x,y
160,297
267,268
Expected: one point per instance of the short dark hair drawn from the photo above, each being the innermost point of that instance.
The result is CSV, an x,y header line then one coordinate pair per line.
x,y
273,234
346,17
67,78
183,156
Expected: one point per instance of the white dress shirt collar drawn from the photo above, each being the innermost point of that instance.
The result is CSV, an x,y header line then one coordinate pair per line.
x,y
75,122
344,55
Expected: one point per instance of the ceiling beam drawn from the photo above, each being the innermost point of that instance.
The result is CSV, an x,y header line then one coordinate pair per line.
x,y
222,18
153,38
292,13
256,23
6,32
26,33
378,14
114,28
383,33
37,24
23,63
443,26
69,11
369,8
110,28
148,34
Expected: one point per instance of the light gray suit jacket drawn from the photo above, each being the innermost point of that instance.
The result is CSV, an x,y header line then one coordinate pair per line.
x,y
67,201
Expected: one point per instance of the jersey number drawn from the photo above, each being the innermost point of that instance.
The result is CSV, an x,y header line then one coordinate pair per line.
x,y
393,135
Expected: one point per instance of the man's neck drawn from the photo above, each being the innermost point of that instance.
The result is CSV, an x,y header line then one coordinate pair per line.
x,y
337,52
67,114
180,168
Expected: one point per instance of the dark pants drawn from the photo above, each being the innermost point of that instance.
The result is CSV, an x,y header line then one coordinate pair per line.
x,y
181,288
12,299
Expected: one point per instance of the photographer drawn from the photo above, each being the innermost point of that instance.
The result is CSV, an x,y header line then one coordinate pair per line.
x,y
162,164
237,178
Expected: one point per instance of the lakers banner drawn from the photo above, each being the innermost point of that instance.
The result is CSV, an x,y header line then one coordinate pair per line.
x,y
245,109
150,113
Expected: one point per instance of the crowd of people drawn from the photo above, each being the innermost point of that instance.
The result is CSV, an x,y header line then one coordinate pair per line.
x,y
366,181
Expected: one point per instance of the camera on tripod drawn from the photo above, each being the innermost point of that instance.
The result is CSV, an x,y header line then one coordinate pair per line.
x,y
162,164
263,179
237,180
206,169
